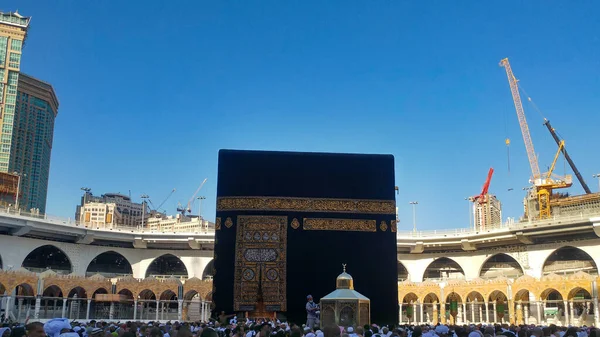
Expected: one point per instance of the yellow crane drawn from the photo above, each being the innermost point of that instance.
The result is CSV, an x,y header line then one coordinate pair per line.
x,y
544,184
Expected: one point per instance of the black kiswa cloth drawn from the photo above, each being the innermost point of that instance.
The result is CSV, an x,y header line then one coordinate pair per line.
x,y
337,208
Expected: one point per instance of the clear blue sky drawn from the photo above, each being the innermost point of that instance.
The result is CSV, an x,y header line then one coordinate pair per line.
x,y
151,90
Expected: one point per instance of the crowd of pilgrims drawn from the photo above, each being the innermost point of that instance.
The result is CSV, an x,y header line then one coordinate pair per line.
x,y
223,327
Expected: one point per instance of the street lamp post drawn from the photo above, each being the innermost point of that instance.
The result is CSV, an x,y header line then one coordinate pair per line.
x,y
144,197
469,200
200,206
597,175
414,204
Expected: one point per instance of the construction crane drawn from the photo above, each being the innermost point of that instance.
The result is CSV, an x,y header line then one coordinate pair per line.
x,y
188,208
481,198
543,184
567,157
482,201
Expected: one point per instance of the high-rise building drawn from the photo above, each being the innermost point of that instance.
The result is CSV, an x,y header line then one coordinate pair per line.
x,y
488,213
28,108
33,131
13,31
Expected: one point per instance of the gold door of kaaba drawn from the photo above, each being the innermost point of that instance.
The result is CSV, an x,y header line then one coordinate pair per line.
x,y
260,263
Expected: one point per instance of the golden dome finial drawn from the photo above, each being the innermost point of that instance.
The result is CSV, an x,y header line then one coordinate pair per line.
x,y
344,267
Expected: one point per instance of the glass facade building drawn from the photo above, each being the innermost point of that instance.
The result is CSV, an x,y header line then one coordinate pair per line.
x,y
28,108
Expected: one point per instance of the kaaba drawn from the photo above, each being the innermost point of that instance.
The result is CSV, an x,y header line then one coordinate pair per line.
x,y
287,221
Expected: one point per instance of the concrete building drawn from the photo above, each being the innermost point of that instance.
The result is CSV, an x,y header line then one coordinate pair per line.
x,y
487,214
159,222
13,31
110,210
33,134
28,108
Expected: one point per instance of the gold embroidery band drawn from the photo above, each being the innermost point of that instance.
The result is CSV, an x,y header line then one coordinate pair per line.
x,y
306,205
353,225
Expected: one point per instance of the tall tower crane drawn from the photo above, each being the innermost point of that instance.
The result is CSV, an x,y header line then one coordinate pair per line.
x,y
188,207
544,184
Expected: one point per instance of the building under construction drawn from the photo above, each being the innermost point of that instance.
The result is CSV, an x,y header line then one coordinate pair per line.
x,y
488,213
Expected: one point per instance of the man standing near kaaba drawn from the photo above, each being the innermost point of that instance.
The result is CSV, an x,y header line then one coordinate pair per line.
x,y
311,312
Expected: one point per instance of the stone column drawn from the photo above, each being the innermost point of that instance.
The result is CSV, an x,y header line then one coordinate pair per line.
x,y
8,305
38,304
481,318
473,312
111,312
64,308
487,311
538,305
135,305
414,315
511,311
400,313
202,311
495,313
422,318
596,312
526,313
443,312
435,313
463,316
157,309
20,307
566,323
572,311
87,311
180,310
519,313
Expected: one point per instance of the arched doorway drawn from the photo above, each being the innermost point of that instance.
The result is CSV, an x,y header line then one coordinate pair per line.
x,y
408,308
109,264
402,272
166,266
553,305
442,269
501,265
147,303
454,309
77,303
209,271
497,305
24,301
569,260
431,309
168,305
47,257
582,312
474,308
51,302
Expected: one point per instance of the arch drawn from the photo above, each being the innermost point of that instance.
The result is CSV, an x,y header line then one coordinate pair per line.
x,y
410,297
551,294
125,292
167,265
501,265
52,291
190,295
209,270
109,264
498,295
168,295
453,296
579,294
24,289
443,268
48,257
79,291
209,297
569,260
402,272
431,298
522,295
147,294
475,295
